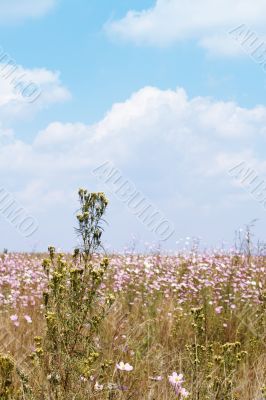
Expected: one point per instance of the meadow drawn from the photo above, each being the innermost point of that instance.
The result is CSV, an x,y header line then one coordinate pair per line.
x,y
91,325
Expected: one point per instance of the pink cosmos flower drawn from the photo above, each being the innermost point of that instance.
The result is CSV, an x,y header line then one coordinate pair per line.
x,y
124,366
156,378
183,393
28,319
14,319
176,379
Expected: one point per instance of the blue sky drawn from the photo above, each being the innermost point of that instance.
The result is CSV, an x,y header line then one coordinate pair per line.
x,y
158,88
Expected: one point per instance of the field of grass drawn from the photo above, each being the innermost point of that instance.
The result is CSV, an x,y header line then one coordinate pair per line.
x,y
154,326
202,316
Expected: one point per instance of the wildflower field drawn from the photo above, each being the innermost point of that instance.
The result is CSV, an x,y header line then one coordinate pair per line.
x,y
91,325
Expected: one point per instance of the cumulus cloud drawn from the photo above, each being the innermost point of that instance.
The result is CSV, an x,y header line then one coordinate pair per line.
x,y
177,150
206,21
16,10
153,125
24,91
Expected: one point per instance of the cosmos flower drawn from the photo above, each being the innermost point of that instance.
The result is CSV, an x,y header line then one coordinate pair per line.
x,y
176,379
156,378
124,366
14,319
28,319
183,393
98,387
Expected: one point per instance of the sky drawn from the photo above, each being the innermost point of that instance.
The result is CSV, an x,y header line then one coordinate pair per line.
x,y
170,93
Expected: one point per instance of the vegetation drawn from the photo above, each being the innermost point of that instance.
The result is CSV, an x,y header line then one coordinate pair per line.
x,y
154,326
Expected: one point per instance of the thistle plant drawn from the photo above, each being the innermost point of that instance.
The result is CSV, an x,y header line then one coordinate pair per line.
x,y
6,377
74,307
90,218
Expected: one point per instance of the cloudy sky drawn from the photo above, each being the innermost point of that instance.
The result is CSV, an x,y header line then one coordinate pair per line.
x,y
160,89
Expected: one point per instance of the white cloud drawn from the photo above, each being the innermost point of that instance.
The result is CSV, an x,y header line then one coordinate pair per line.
x,y
152,123
38,189
206,21
6,135
175,149
24,91
16,10
225,161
